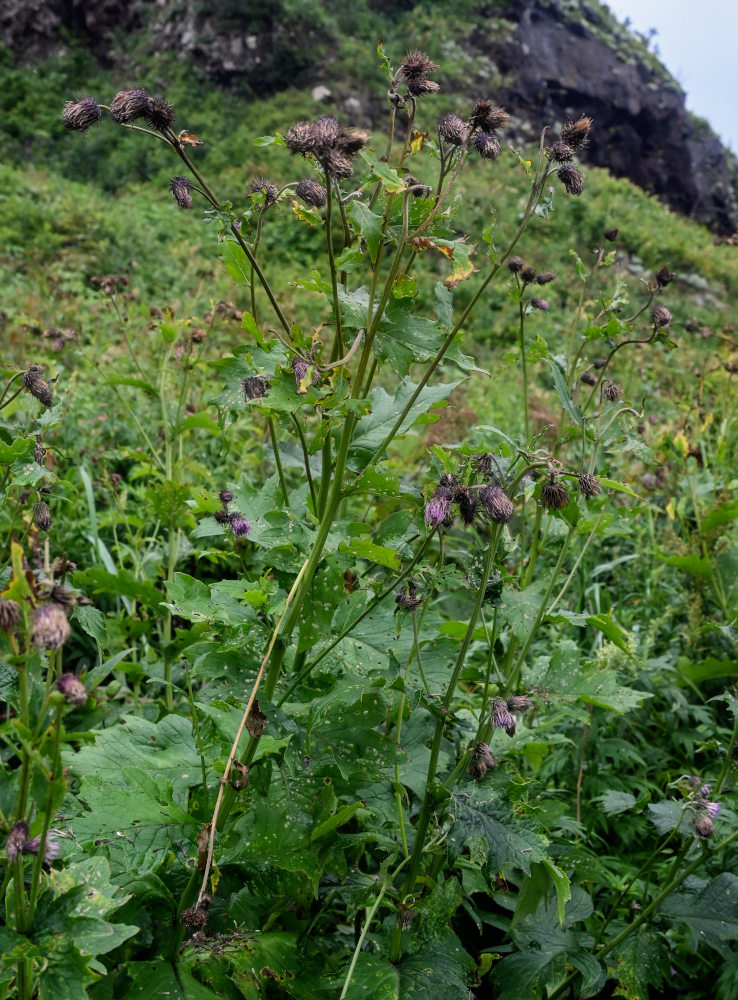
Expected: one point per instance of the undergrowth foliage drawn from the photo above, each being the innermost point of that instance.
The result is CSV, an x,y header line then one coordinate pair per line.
x,y
363,720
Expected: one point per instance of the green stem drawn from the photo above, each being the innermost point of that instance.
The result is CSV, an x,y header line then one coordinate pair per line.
x,y
38,861
306,461
429,797
524,363
278,460
338,349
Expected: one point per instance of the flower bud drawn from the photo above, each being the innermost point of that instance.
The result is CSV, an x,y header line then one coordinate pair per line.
x,y
541,304
515,264
406,597
225,497
528,274
263,185
488,146
544,277
438,507
500,716
588,378
129,105
16,841
73,689
703,826
34,381
519,703
255,387
559,152
300,138
160,114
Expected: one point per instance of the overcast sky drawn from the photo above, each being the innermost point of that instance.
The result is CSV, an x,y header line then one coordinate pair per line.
x,y
698,44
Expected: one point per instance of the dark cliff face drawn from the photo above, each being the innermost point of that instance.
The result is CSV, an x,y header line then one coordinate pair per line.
x,y
552,60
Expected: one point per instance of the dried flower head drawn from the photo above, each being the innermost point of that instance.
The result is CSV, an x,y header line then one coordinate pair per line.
x,y
255,387
406,597
488,116
60,595
9,613
38,387
576,134
449,479
311,193
452,130
528,274
545,277
541,304
52,847
488,146
481,762
416,66
515,264
160,114
588,378
223,516
571,178
611,391
554,495
181,188
129,105
664,276
519,703
438,507
661,317
611,234
417,88
262,185
497,505
300,138
336,163
419,190
50,627
467,504
42,515
194,917
73,689
589,485
599,363
79,115
500,716
560,152
239,525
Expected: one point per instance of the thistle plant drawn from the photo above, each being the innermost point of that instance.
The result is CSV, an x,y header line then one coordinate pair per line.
x,y
351,720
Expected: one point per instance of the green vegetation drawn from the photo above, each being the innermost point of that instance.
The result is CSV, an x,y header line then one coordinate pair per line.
x,y
367,594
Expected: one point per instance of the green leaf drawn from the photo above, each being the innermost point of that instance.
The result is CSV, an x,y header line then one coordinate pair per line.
x,y
341,816
374,978
611,630
613,802
368,224
711,914
20,450
522,607
512,842
441,969
694,565
562,391
642,962
721,515
379,554
706,669
236,262
667,816
612,484
372,429
91,621
123,583
386,175
158,979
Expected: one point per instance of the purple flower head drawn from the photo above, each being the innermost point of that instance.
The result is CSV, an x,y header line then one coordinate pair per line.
x,y
226,497
52,847
497,504
500,715
240,526
437,508
704,791
712,809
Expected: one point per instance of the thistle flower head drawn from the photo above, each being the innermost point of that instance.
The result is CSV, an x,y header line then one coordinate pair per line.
x,y
52,847
588,378
160,114
311,193
73,689
416,66
497,505
38,387
467,504
515,264
225,497
500,715
664,276
336,163
452,129
16,841
528,273
545,277
571,178
487,145
406,597
181,188
50,627
438,507
262,185
129,105
611,234
576,134
300,138
554,495
540,304
559,152
589,485
481,762
42,516
9,613
417,88
79,115
611,391
239,526
419,190
223,516
703,826
255,387
661,317
488,116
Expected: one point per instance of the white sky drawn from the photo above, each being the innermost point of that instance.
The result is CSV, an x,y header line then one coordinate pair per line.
x,y
698,44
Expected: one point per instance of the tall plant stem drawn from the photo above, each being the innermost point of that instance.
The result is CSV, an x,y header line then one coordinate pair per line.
x,y
278,459
524,363
429,797
338,349
306,461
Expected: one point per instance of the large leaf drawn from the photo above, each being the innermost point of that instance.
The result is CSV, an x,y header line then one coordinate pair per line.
x,y
711,914
372,429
